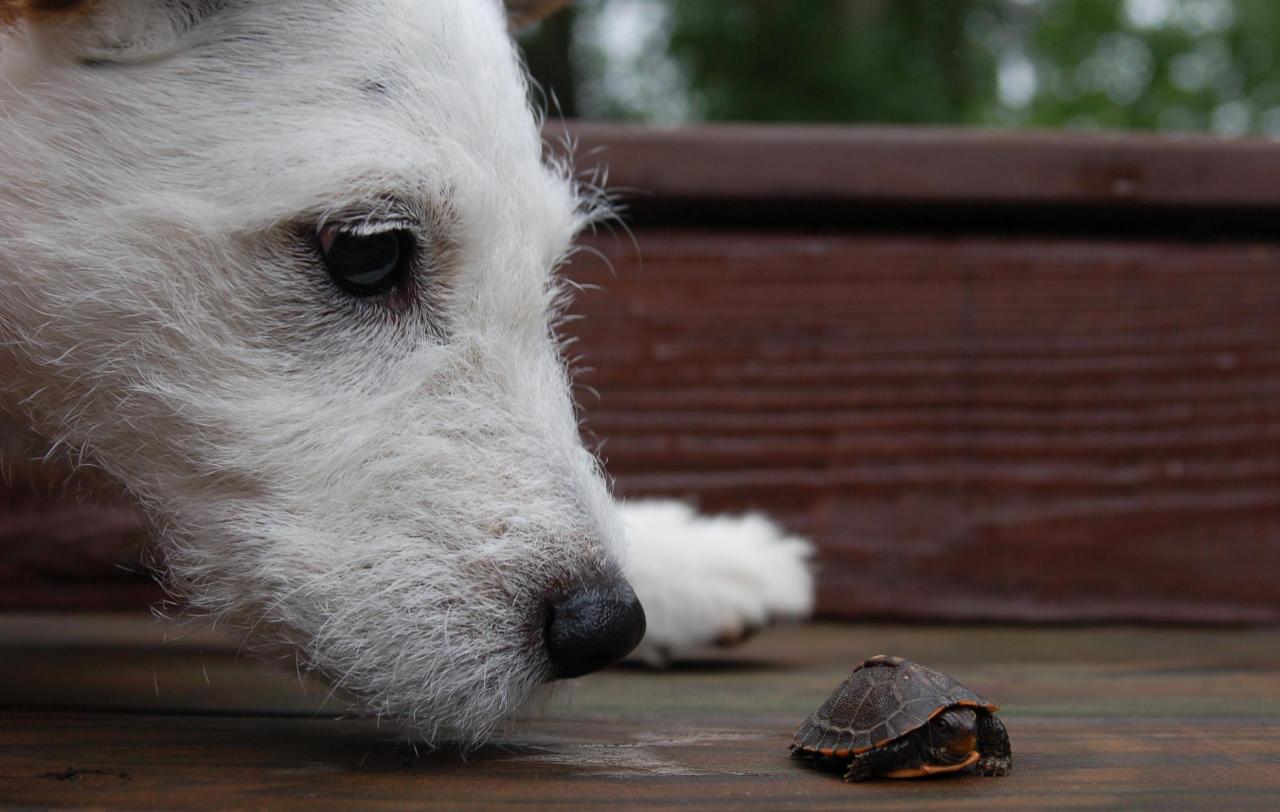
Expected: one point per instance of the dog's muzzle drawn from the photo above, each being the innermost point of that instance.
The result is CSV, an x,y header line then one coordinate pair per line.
x,y
593,626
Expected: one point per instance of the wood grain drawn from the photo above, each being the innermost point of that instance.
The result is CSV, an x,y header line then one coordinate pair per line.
x,y
772,165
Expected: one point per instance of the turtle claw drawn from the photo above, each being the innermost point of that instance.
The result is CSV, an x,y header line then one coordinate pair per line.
x,y
994,767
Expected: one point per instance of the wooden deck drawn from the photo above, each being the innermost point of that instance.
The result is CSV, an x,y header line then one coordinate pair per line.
x,y
96,711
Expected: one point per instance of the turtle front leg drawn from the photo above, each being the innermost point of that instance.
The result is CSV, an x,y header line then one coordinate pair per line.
x,y
993,745
902,754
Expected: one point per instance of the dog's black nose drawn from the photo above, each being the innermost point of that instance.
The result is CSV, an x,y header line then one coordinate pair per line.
x,y
593,626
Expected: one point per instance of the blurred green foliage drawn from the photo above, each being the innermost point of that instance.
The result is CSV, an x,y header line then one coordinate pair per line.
x,y
832,60
1125,64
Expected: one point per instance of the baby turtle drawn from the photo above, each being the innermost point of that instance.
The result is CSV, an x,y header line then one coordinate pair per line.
x,y
898,719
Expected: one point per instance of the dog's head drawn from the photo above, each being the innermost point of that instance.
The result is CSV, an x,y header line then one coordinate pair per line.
x,y
285,269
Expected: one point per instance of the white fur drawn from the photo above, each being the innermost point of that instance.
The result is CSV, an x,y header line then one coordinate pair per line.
x,y
388,494
711,578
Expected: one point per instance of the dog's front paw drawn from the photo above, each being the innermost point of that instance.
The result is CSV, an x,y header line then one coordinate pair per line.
x,y
711,579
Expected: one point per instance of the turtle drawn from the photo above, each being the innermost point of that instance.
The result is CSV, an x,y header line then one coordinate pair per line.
x,y
898,719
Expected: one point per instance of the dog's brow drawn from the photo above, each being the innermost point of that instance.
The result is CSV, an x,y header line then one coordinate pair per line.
x,y
378,190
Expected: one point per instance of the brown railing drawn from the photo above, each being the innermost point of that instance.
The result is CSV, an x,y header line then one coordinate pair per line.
x,y
1014,377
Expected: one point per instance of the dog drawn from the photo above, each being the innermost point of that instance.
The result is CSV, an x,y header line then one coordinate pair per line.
x,y
284,270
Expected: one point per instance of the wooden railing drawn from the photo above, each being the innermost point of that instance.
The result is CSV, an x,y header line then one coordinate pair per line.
x,y
1014,377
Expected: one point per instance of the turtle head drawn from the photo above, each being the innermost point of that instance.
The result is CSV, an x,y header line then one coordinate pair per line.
x,y
953,735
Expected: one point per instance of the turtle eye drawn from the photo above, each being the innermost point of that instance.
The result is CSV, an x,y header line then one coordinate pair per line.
x,y
364,262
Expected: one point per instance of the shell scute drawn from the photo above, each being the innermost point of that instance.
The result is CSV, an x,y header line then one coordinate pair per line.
x,y
884,699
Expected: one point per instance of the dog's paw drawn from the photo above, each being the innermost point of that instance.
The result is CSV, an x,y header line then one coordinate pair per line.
x,y
711,579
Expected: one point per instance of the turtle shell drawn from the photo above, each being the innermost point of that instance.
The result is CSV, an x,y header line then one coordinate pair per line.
x,y
884,699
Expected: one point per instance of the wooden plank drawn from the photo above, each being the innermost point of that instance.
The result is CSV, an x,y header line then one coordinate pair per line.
x,y
1029,429
1115,718
767,164
109,762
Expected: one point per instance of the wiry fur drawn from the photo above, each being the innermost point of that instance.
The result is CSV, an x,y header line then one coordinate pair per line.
x,y
388,489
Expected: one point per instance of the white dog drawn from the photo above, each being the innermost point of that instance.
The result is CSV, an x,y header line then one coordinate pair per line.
x,y
284,270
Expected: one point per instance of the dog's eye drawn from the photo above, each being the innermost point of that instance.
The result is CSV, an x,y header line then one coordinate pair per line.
x,y
365,264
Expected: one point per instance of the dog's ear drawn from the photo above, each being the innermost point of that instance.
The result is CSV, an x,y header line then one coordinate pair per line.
x,y
524,13
106,31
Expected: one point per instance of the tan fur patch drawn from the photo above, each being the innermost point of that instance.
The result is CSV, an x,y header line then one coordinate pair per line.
x,y
527,12
41,10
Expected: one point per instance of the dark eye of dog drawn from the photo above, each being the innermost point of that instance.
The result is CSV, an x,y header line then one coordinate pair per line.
x,y
365,264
